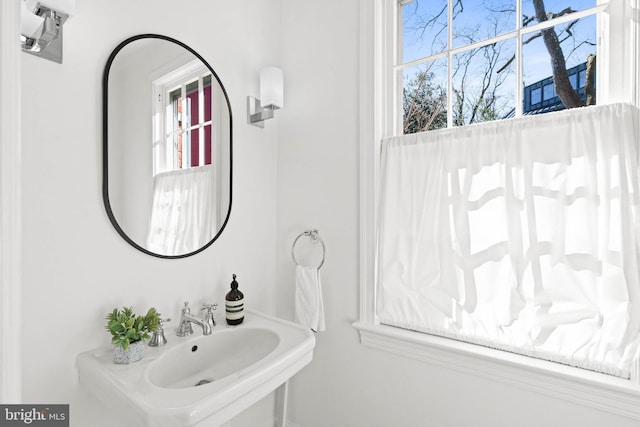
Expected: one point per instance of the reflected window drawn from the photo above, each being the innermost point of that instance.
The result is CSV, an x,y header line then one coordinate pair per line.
x,y
184,119
189,113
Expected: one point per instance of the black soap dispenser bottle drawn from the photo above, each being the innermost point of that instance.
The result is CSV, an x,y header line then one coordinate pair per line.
x,y
234,302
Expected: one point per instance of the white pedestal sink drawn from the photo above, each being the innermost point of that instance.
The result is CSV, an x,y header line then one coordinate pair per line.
x,y
200,380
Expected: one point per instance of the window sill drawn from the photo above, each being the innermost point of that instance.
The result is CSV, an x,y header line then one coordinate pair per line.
x,y
600,391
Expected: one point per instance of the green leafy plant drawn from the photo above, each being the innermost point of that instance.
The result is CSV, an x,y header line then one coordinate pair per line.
x,y
127,328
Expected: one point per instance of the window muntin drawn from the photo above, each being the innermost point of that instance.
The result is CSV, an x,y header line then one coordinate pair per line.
x,y
513,53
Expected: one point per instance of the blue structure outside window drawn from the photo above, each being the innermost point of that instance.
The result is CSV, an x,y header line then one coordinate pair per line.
x,y
540,97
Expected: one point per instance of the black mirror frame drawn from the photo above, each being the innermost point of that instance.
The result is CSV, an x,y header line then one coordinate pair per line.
x,y
105,144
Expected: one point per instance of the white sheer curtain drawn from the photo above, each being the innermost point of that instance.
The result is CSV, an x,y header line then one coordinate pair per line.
x,y
520,235
183,214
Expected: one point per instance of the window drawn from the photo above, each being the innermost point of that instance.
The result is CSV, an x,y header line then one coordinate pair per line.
x,y
186,124
549,92
536,97
185,119
382,83
460,62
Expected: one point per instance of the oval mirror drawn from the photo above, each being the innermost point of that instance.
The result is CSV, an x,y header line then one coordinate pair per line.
x,y
167,140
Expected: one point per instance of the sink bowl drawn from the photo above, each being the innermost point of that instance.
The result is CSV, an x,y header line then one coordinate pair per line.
x,y
205,360
199,380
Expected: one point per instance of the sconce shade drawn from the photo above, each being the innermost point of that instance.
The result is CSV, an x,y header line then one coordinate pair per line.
x,y
271,87
30,22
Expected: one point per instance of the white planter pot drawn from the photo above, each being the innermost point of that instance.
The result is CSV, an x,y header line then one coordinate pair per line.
x,y
133,353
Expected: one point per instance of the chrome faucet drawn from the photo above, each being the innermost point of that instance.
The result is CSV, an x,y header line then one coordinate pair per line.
x,y
186,319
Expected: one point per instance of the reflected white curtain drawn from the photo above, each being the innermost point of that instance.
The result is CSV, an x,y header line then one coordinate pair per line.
x,y
183,214
520,235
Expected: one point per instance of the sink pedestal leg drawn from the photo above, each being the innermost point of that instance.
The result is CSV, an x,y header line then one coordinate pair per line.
x,y
281,404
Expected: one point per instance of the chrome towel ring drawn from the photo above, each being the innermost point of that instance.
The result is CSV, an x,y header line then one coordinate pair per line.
x,y
315,238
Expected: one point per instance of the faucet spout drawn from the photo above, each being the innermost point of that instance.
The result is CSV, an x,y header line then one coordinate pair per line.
x,y
186,319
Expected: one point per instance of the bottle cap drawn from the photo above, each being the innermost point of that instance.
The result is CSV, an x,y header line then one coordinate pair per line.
x,y
234,284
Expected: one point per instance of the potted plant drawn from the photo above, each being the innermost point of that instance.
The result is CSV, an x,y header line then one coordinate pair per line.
x,y
128,332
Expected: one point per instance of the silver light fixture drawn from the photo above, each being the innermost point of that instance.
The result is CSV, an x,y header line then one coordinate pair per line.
x,y
271,97
42,22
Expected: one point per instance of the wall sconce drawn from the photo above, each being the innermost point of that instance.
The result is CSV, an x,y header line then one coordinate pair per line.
x,y
42,22
271,97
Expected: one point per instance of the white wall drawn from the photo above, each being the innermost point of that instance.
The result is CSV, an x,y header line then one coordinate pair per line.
x,y
76,267
348,385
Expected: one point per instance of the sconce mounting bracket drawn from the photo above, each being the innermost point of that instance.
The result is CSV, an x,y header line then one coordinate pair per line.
x,y
256,113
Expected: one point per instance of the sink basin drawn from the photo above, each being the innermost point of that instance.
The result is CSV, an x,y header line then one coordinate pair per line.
x,y
205,360
199,380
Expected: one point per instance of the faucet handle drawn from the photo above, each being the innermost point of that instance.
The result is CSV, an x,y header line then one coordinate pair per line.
x,y
186,308
158,339
209,307
208,316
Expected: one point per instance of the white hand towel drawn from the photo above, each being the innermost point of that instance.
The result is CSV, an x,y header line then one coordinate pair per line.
x,y
309,306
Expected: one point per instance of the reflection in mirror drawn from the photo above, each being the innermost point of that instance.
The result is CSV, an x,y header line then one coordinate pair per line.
x,y
166,147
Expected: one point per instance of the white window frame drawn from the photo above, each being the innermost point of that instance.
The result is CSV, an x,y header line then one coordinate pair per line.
x,y
618,83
